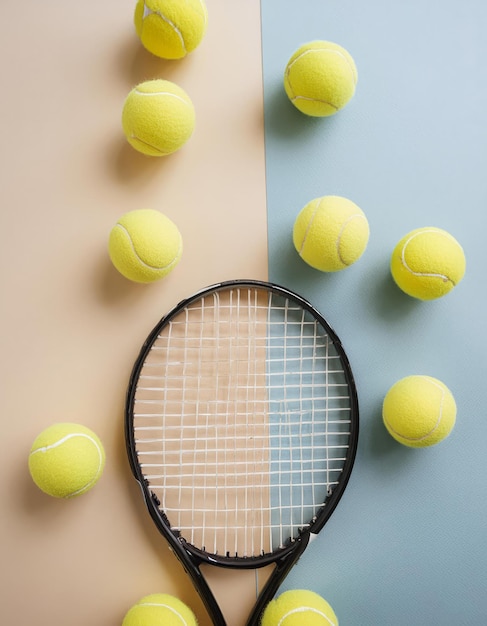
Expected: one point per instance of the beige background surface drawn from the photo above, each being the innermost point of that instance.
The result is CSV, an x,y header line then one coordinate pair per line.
x,y
71,326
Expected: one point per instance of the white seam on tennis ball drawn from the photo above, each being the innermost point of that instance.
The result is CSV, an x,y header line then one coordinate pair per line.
x,y
59,442
204,12
156,93
160,93
149,11
342,230
303,609
150,267
308,227
165,606
443,277
437,424
337,52
294,98
149,145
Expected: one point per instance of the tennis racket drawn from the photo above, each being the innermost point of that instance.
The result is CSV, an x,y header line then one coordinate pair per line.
x,y
241,428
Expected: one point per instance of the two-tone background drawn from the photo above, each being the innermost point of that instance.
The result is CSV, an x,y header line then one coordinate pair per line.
x,y
407,543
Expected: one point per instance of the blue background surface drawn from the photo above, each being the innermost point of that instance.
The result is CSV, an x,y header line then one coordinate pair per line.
x,y
408,542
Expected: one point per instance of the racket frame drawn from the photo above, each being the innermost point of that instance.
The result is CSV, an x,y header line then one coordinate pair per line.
x,y
190,557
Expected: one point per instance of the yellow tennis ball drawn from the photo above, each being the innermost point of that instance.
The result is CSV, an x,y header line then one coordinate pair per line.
x,y
158,117
159,609
320,78
145,245
66,460
427,263
419,411
297,608
170,29
330,233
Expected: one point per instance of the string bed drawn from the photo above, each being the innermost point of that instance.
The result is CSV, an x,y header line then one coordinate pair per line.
x,y
242,421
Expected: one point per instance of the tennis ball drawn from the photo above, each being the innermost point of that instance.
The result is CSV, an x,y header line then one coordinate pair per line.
x,y
145,245
320,78
299,607
66,460
159,609
330,233
170,29
419,411
158,117
427,263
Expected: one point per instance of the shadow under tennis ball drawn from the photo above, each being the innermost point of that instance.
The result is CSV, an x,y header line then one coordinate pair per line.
x,y
112,288
133,168
287,267
379,446
136,64
387,300
282,119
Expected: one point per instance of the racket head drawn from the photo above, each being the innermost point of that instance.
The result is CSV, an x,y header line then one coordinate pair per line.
x,y
240,413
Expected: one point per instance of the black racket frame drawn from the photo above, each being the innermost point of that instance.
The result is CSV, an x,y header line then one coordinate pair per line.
x,y
190,557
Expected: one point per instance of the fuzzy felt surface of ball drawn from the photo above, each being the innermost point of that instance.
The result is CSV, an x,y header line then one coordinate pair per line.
x,y
145,245
159,609
66,460
330,233
419,411
299,607
158,117
170,29
428,263
320,78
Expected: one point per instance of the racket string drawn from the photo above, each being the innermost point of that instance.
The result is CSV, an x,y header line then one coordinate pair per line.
x,y
242,421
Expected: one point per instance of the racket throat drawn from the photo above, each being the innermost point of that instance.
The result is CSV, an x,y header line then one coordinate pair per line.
x,y
275,580
239,589
235,591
